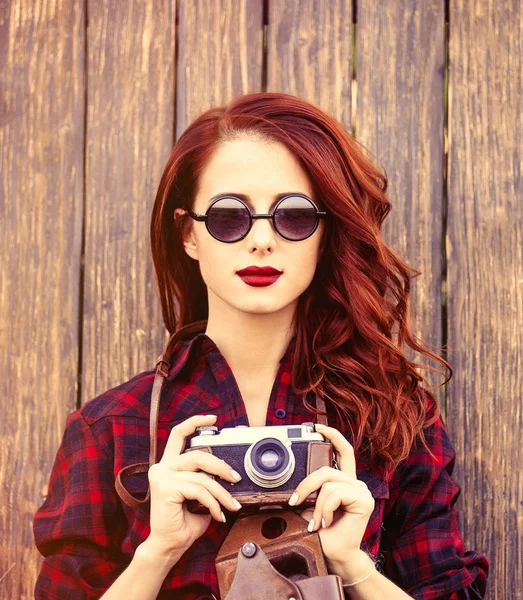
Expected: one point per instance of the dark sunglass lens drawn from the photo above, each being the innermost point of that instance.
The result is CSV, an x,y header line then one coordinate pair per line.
x,y
295,218
228,219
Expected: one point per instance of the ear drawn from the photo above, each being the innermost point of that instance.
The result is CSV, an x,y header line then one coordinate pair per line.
x,y
183,221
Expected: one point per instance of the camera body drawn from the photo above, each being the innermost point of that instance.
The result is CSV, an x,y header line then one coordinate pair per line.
x,y
271,460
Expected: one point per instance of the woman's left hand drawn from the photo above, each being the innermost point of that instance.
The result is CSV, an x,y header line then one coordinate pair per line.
x,y
344,502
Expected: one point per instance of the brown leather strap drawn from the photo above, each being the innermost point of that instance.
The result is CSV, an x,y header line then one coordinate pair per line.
x,y
163,364
326,587
162,370
321,417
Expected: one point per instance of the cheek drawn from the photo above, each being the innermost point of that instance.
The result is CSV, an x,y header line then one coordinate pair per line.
x,y
215,261
301,265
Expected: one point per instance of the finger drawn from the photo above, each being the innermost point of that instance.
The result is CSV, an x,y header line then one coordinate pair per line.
x,y
331,504
344,449
217,490
316,479
171,492
197,459
358,498
317,515
335,499
176,441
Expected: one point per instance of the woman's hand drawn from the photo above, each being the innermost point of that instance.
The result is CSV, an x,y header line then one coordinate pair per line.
x,y
176,478
344,502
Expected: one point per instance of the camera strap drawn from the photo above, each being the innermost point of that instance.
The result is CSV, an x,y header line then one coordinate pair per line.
x,y
162,370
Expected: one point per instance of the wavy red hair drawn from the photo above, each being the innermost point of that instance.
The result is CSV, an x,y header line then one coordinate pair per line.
x,y
352,323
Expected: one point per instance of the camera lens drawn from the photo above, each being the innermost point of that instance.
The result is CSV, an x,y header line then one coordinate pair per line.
x,y
269,463
269,459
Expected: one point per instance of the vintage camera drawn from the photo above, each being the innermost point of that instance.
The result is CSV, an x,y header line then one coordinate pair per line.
x,y
271,460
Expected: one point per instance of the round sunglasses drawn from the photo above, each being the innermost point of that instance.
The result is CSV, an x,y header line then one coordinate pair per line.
x,y
228,218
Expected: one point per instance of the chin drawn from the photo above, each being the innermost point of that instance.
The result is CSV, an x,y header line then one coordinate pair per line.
x,y
259,309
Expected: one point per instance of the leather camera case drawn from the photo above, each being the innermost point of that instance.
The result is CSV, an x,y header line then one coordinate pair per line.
x,y
290,565
249,494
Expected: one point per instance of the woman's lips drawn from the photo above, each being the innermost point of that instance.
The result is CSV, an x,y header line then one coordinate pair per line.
x,y
259,280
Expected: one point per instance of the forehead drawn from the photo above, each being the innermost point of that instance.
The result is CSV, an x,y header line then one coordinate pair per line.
x,y
248,200
258,169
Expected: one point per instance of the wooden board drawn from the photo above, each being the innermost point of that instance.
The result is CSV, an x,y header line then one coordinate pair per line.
x,y
485,276
399,116
129,133
220,55
41,160
309,53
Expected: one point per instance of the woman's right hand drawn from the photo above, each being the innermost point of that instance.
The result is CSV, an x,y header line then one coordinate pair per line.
x,y
176,478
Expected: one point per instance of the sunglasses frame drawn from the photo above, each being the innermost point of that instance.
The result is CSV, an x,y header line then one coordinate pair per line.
x,y
319,214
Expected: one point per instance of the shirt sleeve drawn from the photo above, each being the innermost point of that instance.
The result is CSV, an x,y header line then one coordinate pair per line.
x,y
79,526
423,549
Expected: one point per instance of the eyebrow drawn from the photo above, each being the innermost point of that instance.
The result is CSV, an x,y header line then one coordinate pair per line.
x,y
247,199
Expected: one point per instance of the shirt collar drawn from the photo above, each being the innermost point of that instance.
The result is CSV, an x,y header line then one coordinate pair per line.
x,y
182,352
201,342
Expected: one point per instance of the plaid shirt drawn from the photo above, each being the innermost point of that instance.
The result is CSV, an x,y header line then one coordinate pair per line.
x,y
88,536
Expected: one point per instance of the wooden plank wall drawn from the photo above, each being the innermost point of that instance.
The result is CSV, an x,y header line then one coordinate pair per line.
x,y
42,109
485,278
92,96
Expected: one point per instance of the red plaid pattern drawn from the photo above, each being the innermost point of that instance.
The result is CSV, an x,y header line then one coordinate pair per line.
x,y
88,536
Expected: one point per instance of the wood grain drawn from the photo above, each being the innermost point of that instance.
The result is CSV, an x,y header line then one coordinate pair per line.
x,y
220,55
41,159
309,53
129,134
485,275
399,117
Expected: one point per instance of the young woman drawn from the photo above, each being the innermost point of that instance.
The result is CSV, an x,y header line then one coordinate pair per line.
x,y
274,276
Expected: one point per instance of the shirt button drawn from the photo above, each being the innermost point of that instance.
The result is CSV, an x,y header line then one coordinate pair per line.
x,y
280,413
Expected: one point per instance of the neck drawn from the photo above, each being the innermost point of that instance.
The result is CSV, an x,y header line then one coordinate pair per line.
x,y
252,345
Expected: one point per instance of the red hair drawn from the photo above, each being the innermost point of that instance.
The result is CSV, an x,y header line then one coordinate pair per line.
x,y
352,321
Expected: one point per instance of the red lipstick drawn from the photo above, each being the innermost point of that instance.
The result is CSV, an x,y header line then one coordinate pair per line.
x,y
259,276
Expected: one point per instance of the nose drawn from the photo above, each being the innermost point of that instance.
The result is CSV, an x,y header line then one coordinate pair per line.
x,y
262,233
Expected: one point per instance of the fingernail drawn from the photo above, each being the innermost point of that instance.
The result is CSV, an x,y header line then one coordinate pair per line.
x,y
236,503
223,517
293,499
320,425
236,476
323,523
310,527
